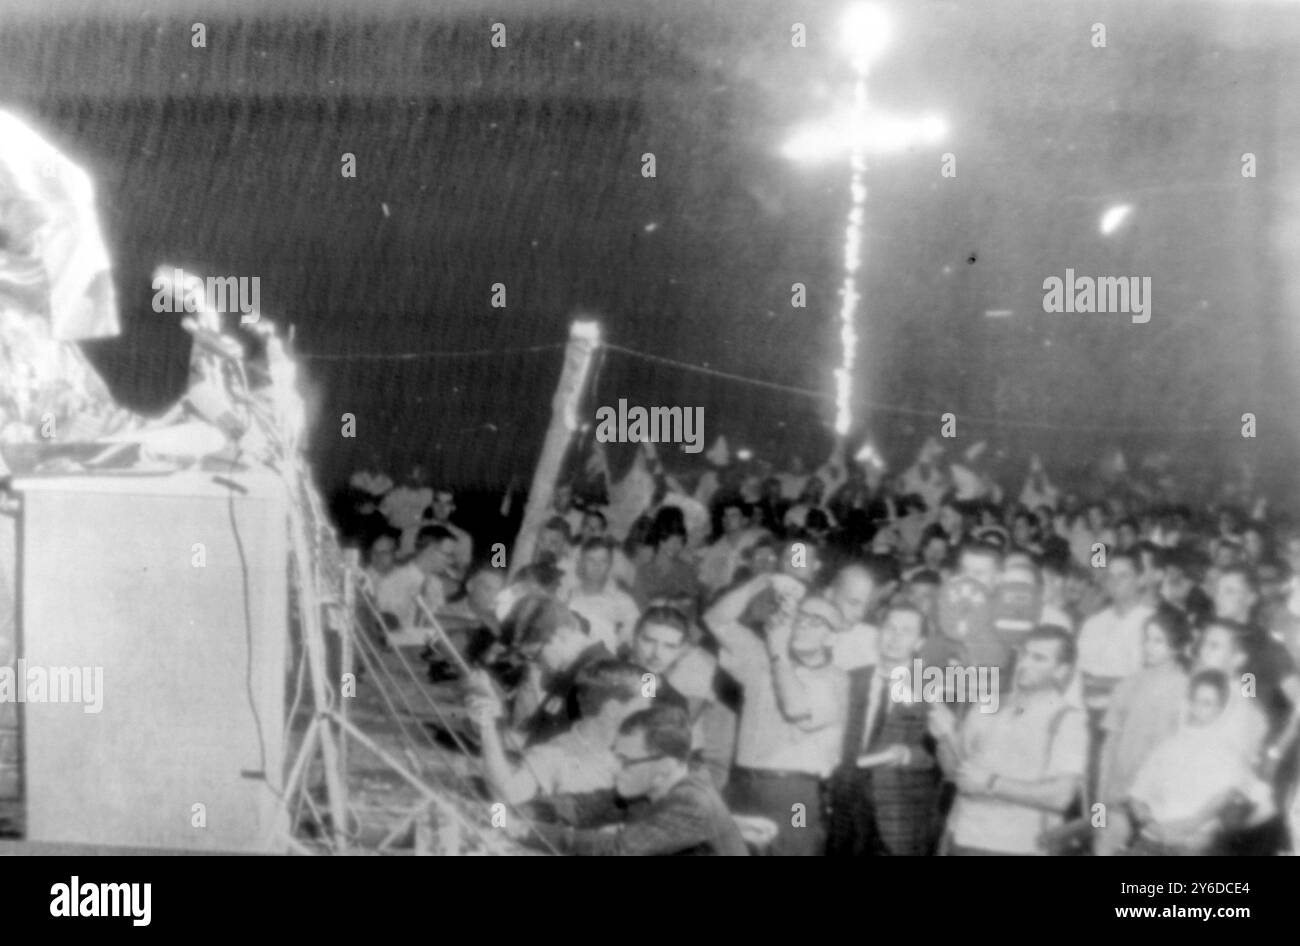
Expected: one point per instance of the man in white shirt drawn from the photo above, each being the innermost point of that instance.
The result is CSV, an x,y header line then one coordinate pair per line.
x,y
1110,648
443,506
981,562
595,525
577,761
438,513
854,591
718,562
925,478
1110,642
793,481
396,591
1018,769
611,613
792,720
661,645
381,558
404,508
424,578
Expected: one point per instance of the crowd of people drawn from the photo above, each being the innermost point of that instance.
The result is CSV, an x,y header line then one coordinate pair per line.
x,y
737,668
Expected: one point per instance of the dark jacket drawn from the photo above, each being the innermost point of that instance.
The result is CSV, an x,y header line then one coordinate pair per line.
x,y
691,819
884,810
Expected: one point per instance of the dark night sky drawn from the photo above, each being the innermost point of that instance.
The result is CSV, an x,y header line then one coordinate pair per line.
x,y
522,166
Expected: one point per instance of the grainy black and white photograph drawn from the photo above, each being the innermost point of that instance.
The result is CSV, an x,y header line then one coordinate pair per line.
x,y
594,427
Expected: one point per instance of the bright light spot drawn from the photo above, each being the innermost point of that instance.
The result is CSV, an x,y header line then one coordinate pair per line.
x,y
744,454
1114,218
865,33
932,129
815,143
870,456
651,227
843,392
587,330
876,134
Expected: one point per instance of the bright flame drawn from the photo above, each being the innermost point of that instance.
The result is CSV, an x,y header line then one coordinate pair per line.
x,y
865,32
875,133
852,262
868,455
1114,218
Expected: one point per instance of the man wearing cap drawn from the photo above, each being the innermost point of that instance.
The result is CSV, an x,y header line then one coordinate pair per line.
x,y
795,700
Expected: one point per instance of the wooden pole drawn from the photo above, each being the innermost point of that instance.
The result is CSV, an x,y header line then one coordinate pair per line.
x,y
584,339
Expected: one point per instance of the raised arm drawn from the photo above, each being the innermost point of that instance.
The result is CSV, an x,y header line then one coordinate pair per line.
x,y
792,696
723,617
506,782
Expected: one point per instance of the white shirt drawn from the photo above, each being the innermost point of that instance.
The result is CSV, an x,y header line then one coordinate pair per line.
x,y
857,647
792,484
396,592
571,763
692,674
1051,614
623,571
1243,723
1110,645
796,517
464,551
612,614
718,562
568,568
404,506
930,487
1017,742
1191,767
766,739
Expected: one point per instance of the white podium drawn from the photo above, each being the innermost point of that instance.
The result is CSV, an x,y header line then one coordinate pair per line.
x,y
176,586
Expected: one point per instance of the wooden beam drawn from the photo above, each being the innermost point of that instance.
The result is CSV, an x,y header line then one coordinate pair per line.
x,y
584,339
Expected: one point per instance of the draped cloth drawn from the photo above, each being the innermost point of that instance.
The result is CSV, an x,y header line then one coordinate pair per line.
x,y
55,288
